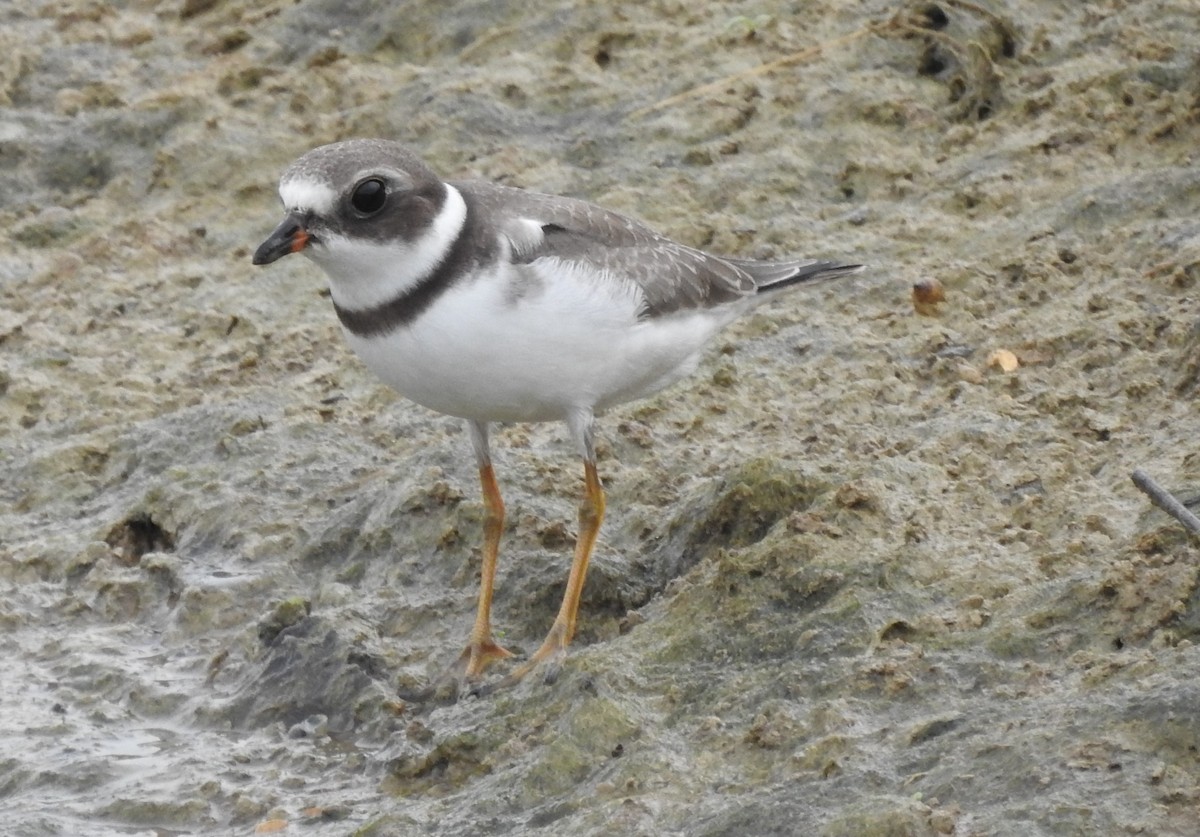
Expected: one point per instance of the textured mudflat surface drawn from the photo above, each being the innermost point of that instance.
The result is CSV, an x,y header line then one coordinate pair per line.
x,y
856,578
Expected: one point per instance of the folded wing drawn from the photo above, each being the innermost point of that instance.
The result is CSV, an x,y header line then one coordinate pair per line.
x,y
670,277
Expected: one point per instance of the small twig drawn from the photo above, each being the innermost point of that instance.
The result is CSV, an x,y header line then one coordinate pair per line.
x,y
1162,498
484,40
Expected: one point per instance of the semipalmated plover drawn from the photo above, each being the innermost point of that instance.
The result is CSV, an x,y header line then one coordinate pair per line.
x,y
497,304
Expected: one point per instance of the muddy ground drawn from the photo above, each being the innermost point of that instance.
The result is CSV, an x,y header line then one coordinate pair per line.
x,y
859,575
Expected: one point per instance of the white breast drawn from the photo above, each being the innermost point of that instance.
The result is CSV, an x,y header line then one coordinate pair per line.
x,y
533,342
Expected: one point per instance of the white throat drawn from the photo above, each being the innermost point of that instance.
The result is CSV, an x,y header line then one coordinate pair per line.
x,y
364,274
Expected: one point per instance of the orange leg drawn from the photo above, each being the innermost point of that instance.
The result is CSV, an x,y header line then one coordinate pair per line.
x,y
482,648
554,649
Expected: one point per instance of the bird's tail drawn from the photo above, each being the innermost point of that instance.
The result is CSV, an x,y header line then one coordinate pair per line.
x,y
775,276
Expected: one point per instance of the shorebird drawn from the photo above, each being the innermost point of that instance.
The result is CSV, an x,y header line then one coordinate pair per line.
x,y
496,304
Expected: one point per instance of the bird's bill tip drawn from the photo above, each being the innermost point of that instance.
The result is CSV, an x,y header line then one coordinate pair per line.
x,y
289,237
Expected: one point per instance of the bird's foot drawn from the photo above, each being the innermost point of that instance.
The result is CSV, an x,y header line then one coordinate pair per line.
x,y
464,672
549,658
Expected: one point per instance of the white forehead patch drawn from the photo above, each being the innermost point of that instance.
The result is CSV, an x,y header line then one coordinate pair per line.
x,y
304,194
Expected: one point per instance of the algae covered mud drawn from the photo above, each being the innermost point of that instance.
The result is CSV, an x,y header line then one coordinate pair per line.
x,y
861,574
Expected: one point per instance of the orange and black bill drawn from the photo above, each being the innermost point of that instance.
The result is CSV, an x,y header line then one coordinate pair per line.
x,y
289,237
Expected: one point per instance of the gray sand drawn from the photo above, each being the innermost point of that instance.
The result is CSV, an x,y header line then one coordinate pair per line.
x,y
856,578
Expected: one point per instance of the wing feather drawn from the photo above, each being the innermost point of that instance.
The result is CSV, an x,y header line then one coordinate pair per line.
x,y
671,277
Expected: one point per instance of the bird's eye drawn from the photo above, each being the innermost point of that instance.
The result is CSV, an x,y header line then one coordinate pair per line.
x,y
369,196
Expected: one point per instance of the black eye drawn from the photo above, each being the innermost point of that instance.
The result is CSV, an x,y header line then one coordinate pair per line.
x,y
369,196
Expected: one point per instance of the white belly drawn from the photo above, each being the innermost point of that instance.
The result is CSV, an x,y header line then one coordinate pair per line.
x,y
570,342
